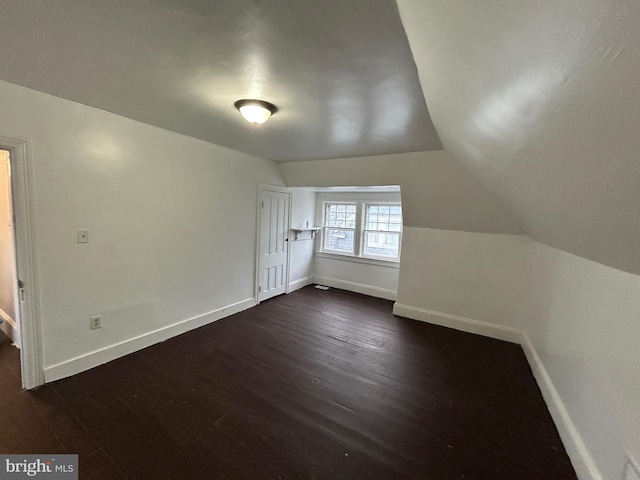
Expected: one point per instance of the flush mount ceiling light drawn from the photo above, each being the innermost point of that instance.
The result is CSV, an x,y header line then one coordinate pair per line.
x,y
255,111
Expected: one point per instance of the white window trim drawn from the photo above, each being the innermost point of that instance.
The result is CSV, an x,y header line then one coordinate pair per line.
x,y
358,236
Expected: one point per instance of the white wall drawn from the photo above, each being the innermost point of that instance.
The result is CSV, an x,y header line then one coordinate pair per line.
x,y
375,278
580,321
172,225
303,210
584,323
436,191
471,281
7,252
437,195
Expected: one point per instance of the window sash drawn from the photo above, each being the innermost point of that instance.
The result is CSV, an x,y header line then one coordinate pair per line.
x,y
383,220
340,215
366,246
383,217
340,240
339,227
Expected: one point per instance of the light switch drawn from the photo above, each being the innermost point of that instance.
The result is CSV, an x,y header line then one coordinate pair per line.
x,y
83,236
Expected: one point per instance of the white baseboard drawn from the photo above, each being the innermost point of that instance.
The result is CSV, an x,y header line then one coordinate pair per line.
x,y
4,316
580,457
298,284
107,354
458,323
9,327
356,287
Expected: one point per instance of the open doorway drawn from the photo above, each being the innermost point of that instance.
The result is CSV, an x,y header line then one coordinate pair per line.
x,y
20,299
9,301
9,293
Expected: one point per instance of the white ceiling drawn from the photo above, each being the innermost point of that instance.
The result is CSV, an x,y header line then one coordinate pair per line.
x,y
341,72
540,101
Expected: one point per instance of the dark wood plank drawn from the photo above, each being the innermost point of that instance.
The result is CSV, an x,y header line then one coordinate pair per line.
x,y
311,385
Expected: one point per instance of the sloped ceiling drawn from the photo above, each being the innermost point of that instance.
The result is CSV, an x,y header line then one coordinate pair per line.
x,y
436,191
541,102
340,72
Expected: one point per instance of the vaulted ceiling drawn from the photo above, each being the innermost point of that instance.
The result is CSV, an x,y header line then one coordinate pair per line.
x,y
341,72
539,100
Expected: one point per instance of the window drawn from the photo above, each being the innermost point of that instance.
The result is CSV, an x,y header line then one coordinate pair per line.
x,y
339,227
383,225
371,230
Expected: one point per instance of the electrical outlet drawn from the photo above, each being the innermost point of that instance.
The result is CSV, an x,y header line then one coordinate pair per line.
x,y
96,322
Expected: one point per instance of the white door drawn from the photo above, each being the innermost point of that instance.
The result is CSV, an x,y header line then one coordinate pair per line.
x,y
274,244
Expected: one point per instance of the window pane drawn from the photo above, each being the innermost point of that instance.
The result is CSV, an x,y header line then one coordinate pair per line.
x,y
350,221
386,218
381,244
340,215
338,240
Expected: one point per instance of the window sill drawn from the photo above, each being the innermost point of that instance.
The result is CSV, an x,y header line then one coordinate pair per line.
x,y
351,258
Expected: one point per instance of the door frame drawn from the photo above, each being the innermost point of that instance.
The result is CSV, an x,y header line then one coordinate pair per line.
x,y
22,188
279,189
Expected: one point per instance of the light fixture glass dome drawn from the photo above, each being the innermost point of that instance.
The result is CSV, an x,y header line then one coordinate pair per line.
x,y
255,114
255,111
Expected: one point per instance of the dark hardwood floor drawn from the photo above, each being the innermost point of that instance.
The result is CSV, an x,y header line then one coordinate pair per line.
x,y
315,384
